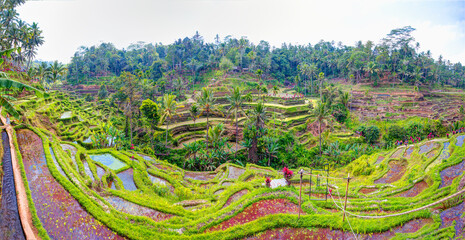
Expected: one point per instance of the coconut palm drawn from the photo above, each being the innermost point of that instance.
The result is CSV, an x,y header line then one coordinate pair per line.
x,y
206,101
258,118
265,91
275,90
194,112
56,70
272,148
236,100
321,113
345,98
169,107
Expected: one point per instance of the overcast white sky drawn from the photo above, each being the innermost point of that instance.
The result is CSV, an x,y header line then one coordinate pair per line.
x,y
69,24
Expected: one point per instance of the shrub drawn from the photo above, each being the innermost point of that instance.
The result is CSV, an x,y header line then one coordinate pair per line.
x,y
360,166
395,133
371,134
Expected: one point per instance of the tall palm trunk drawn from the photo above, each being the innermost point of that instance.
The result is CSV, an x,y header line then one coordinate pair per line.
x,y
319,133
208,113
166,135
237,129
130,126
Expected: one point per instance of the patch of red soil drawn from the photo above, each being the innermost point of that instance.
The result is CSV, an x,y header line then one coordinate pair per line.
x,y
59,212
367,190
258,210
163,167
379,160
235,197
427,147
415,190
396,171
432,154
408,152
449,174
326,233
204,176
397,153
452,214
314,127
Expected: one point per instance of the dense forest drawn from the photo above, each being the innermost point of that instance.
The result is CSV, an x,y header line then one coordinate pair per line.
x,y
396,58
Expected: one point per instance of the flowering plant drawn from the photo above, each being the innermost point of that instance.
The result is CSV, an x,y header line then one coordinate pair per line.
x,y
287,175
268,182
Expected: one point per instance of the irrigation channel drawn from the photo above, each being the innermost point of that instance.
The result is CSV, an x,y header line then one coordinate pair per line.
x,y
10,223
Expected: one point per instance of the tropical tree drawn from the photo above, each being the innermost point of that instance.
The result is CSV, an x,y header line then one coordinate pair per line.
x,y
8,84
150,110
235,99
194,112
192,148
130,93
206,101
345,98
169,107
272,148
275,90
258,118
321,113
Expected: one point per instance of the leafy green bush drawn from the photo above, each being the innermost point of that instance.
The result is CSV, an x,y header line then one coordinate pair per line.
x,y
360,166
371,134
394,133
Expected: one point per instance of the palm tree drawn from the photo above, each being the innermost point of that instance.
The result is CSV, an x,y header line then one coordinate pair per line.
x,y
265,91
275,90
345,98
236,100
272,147
321,113
169,107
194,112
372,69
206,101
258,118
56,70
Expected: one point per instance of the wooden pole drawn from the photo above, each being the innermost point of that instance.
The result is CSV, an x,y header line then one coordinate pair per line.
x,y
310,193
345,201
300,194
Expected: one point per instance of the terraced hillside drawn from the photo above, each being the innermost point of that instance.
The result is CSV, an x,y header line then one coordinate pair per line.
x,y
140,197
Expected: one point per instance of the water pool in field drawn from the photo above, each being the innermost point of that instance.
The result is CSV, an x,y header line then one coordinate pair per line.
x,y
66,115
127,177
460,140
108,160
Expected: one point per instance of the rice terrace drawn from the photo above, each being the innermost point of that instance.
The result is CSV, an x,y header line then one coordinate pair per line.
x,y
230,138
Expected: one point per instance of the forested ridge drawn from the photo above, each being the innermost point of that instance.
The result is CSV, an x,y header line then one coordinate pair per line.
x,y
396,58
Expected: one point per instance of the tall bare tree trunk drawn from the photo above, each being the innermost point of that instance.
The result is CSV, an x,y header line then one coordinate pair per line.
x,y
237,129
166,135
319,132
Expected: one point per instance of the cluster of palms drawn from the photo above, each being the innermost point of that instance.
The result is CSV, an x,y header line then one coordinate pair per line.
x,y
17,34
213,151
47,75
